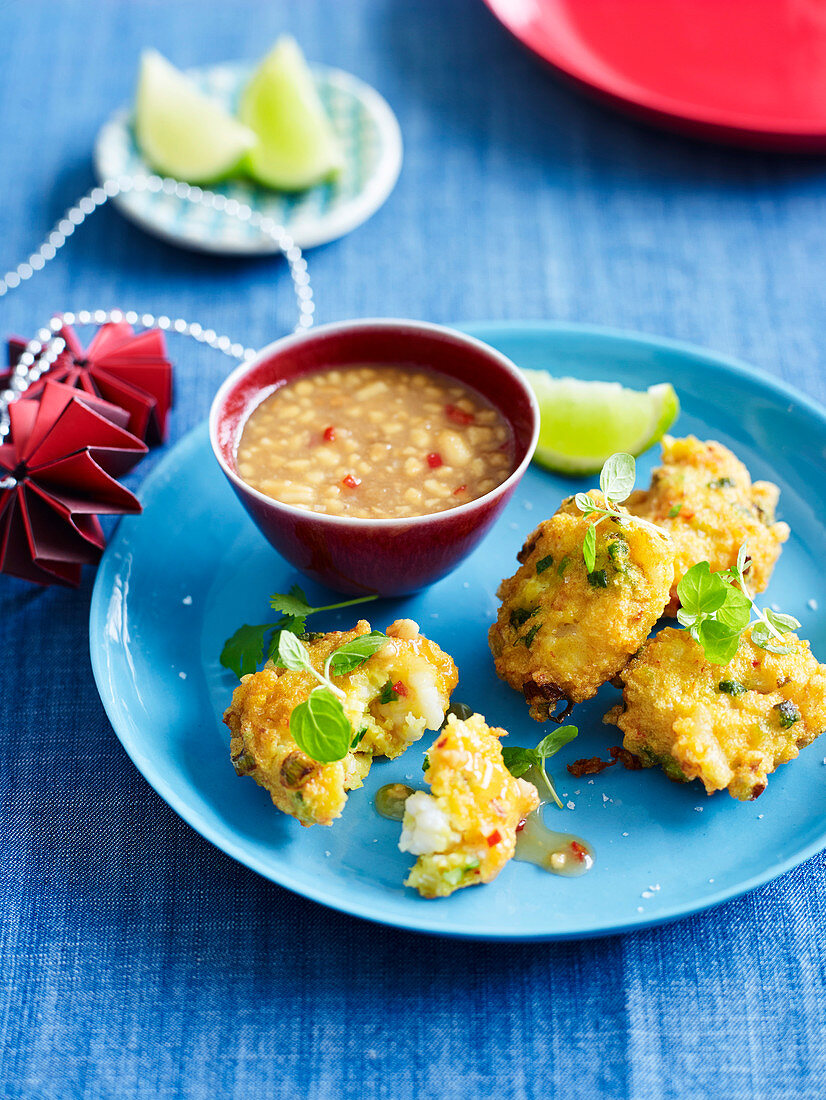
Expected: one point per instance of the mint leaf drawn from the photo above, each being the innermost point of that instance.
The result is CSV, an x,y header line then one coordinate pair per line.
x,y
517,760
719,641
321,728
700,591
735,613
292,653
589,549
555,740
354,653
585,503
784,623
244,651
617,477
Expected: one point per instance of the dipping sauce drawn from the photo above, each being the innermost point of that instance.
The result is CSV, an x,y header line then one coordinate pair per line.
x,y
375,443
559,853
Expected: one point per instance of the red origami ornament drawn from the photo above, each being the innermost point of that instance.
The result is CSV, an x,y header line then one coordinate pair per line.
x,y
58,473
126,369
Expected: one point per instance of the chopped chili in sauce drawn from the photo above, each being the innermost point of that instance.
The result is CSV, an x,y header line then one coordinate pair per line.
x,y
351,482
457,415
460,489
434,460
329,434
494,838
399,688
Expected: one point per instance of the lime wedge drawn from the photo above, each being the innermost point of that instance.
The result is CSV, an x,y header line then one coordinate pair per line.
x,y
296,144
582,423
182,132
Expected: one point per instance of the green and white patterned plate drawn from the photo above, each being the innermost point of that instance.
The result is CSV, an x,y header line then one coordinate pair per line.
x,y
369,135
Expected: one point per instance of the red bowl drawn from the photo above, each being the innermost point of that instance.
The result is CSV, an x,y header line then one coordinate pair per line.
x,y
387,556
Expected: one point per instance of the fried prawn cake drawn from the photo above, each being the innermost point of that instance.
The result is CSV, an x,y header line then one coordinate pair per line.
x,y
464,830
726,725
561,631
704,497
421,675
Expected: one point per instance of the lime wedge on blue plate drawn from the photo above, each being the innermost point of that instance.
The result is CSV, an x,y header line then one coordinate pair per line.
x,y
582,423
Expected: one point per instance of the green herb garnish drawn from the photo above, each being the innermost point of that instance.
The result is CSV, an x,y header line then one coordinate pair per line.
x,y
461,711
616,482
388,694
320,727
544,563
518,761
721,483
599,578
716,608
359,737
563,565
319,724
731,687
529,637
245,650
520,615
674,510
788,713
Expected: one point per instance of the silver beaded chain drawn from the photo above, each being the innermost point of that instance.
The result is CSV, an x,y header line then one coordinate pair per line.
x,y
41,352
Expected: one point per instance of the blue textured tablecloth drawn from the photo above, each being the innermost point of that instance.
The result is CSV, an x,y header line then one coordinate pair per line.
x,y
135,959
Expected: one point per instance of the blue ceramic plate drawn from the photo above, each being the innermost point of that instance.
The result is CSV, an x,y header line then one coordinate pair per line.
x,y
177,580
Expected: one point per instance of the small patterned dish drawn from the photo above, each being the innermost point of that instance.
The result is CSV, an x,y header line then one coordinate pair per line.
x,y
369,135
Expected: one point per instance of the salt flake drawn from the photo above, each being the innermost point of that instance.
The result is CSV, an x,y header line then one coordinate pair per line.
x,y
571,805
187,601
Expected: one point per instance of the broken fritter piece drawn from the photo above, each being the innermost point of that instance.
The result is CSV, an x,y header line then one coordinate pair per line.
x,y
464,830
729,726
704,497
390,700
561,631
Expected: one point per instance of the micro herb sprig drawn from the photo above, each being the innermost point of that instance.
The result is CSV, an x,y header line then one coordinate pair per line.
x,y
319,725
717,607
521,761
246,649
616,480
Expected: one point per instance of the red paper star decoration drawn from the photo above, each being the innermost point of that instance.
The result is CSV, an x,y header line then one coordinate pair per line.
x,y
58,473
126,369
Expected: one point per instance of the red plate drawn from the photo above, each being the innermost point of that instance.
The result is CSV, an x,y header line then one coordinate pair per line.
x,y
751,72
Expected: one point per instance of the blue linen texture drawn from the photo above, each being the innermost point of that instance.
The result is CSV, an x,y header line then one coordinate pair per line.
x,y
137,961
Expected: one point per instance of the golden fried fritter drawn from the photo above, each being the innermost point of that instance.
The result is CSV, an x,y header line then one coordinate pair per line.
x,y
464,831
562,632
262,746
704,497
727,725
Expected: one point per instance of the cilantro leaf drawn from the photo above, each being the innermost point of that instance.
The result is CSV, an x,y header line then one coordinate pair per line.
x,y
354,653
321,728
244,651
293,602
